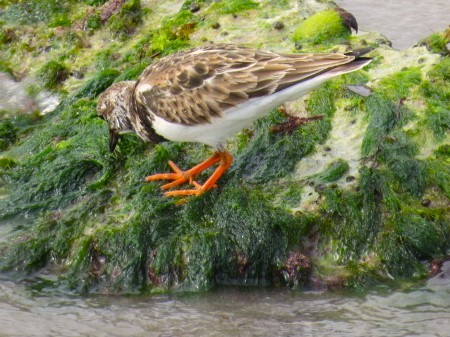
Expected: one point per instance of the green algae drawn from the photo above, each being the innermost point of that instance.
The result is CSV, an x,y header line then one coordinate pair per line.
x,y
322,27
59,171
123,23
132,73
174,32
31,12
8,134
97,84
385,108
93,22
398,85
233,6
270,154
6,35
106,58
436,90
5,68
383,118
94,2
334,171
53,73
438,171
437,43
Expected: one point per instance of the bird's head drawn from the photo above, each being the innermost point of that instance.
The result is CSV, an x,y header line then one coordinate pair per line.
x,y
114,106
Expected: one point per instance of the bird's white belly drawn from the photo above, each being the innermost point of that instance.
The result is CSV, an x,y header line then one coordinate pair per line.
x,y
234,120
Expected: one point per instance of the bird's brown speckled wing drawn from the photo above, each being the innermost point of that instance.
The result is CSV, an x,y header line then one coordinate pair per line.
x,y
195,86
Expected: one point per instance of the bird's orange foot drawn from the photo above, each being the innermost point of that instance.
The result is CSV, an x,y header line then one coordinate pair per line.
x,y
179,176
199,189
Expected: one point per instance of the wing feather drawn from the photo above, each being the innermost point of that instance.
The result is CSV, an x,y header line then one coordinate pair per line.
x,y
195,86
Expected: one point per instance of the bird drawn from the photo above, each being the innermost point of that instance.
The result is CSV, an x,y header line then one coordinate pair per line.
x,y
207,95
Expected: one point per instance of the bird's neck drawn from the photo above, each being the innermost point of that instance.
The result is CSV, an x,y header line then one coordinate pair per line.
x,y
141,121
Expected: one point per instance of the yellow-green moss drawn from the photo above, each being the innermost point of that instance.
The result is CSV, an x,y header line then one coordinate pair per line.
x,y
233,6
399,85
173,33
322,27
437,43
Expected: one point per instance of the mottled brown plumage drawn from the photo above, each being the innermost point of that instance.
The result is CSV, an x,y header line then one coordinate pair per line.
x,y
193,87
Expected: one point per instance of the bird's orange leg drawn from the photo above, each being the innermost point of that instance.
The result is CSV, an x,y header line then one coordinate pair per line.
x,y
225,162
180,177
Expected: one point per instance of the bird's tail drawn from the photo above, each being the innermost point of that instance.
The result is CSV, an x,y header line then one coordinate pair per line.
x,y
356,64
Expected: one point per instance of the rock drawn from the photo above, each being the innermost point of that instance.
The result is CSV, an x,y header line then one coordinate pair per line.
x,y
278,25
194,7
368,182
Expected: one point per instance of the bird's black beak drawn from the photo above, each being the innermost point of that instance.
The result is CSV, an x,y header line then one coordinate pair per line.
x,y
113,139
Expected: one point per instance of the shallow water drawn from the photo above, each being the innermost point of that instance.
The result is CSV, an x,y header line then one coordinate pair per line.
x,y
403,22
420,310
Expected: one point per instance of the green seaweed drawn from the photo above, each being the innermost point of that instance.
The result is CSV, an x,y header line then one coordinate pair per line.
x,y
97,84
355,216
270,155
436,90
188,3
93,22
31,12
173,33
438,171
131,73
436,43
8,134
105,59
53,73
383,116
6,68
333,171
233,6
64,165
94,2
399,85
326,26
123,23
7,35
393,184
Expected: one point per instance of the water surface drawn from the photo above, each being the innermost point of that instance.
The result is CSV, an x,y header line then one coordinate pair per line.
x,y
404,22
420,310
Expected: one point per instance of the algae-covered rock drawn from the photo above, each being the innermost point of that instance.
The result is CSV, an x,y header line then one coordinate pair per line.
x,y
356,197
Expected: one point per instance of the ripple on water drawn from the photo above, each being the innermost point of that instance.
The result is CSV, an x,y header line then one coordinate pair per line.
x,y
421,311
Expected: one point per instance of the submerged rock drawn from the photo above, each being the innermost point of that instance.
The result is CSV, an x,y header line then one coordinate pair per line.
x,y
357,197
